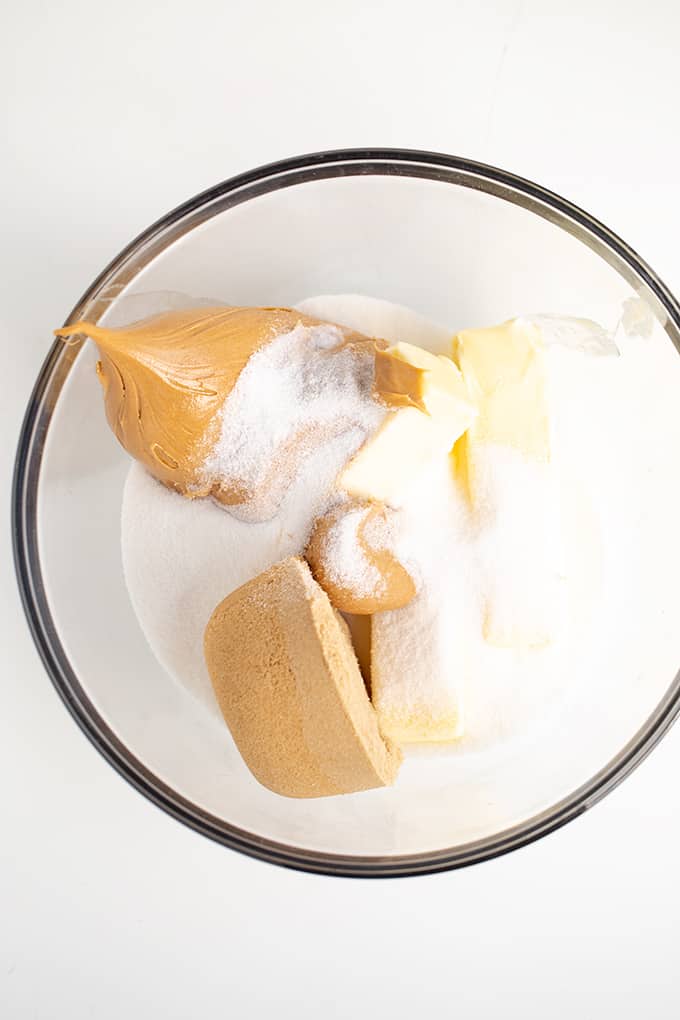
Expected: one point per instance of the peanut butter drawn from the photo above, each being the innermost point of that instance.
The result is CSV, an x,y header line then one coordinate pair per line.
x,y
166,377
393,587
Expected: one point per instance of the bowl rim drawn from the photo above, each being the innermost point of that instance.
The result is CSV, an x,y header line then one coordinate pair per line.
x,y
140,251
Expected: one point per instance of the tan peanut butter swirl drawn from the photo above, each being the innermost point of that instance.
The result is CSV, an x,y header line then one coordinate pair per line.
x,y
394,586
166,377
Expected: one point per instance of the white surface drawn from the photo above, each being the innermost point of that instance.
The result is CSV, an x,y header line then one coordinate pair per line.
x,y
109,908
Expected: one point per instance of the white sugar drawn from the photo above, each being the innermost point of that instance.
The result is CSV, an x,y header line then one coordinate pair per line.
x,y
347,547
293,396
379,531
345,559
422,650
518,545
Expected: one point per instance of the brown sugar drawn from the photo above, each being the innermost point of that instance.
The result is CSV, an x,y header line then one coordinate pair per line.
x,y
289,686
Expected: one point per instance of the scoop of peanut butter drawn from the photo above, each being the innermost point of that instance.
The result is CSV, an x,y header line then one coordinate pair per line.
x,y
351,556
166,377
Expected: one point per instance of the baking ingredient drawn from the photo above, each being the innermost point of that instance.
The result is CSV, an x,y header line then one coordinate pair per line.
x,y
360,631
519,538
180,558
166,378
351,554
504,369
504,460
582,336
305,387
432,408
289,687
409,376
420,654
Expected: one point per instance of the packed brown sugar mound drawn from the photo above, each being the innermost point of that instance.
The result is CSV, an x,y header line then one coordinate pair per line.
x,y
289,686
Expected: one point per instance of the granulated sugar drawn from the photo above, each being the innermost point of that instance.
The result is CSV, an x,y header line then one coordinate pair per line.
x,y
345,560
519,548
293,395
421,651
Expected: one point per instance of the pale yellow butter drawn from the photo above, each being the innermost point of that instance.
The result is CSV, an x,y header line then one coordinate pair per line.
x,y
505,461
431,408
504,371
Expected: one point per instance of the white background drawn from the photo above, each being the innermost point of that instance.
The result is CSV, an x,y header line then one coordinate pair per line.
x,y
112,114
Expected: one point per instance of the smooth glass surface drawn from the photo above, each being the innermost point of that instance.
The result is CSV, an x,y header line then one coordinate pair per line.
x,y
461,243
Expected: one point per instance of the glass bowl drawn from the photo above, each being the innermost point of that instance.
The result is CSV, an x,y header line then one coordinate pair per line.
x,y
460,242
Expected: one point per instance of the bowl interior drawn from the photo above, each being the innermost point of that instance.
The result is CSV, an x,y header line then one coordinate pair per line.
x,y
462,256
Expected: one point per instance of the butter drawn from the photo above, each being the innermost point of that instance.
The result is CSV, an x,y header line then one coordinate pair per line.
x,y
430,407
406,375
504,460
419,668
420,724
504,371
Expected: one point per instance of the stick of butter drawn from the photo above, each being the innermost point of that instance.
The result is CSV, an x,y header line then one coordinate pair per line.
x,y
505,461
420,654
418,670
430,408
504,371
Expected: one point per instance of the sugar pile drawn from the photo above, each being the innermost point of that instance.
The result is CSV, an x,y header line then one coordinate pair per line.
x,y
294,394
346,561
423,648
518,545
